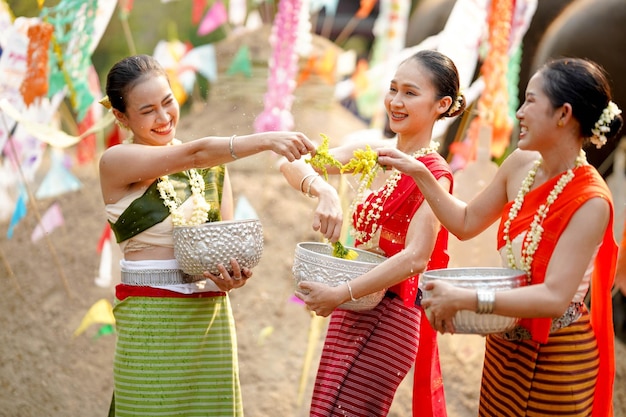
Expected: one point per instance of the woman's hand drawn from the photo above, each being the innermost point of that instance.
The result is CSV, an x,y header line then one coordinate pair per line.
x,y
291,145
439,306
394,158
328,216
321,298
226,281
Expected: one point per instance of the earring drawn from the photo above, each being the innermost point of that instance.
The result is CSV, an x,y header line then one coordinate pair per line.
x,y
559,123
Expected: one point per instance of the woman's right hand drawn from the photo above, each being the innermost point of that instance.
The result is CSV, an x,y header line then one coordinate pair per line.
x,y
291,145
226,280
394,158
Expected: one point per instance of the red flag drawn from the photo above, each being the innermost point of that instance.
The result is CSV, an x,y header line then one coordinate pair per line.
x,y
198,8
104,236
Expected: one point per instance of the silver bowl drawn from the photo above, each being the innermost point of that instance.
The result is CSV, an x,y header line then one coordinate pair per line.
x,y
466,321
313,261
201,248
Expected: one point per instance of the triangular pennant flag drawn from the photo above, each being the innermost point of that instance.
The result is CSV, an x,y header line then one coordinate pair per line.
x,y
58,180
214,18
51,219
19,213
104,330
196,12
105,272
100,312
241,63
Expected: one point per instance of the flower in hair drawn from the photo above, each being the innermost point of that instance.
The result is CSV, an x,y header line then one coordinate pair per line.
x,y
457,104
603,125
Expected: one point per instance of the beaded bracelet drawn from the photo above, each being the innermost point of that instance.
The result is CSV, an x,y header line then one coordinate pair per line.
x,y
350,290
486,299
230,147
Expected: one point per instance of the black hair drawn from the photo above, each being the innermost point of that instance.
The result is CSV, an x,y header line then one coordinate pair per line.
x,y
445,77
125,74
585,86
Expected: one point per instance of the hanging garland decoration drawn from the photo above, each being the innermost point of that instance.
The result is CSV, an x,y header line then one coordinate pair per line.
x,y
283,68
493,104
35,82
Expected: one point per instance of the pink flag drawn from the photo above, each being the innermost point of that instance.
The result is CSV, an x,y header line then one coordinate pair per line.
x,y
51,219
214,18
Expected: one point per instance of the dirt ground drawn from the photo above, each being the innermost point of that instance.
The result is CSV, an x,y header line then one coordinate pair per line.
x,y
45,371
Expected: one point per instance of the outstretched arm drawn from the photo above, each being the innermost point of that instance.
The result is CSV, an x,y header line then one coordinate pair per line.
x,y
464,220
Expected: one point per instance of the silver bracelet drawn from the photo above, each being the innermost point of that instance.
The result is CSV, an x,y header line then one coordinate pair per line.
x,y
230,147
304,179
350,290
308,189
486,300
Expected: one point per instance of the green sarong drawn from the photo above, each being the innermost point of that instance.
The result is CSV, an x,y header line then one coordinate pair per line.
x,y
176,357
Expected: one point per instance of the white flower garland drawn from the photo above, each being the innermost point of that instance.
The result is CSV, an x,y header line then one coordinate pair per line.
x,y
533,237
371,211
603,125
201,208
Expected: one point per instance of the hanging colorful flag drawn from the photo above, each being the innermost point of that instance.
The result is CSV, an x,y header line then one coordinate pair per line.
x,y
241,63
197,10
51,219
104,330
100,312
237,11
19,212
74,22
59,180
215,17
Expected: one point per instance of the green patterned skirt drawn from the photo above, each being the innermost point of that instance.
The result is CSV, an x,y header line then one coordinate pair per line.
x,y
176,357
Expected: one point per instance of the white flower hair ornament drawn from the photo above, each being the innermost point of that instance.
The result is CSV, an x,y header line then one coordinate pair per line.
x,y
457,103
603,125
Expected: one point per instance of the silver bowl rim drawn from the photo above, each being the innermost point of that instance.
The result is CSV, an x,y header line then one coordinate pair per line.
x,y
491,271
221,223
377,256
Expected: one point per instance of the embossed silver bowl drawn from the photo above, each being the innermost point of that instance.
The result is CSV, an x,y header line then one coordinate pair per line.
x,y
201,248
313,261
469,322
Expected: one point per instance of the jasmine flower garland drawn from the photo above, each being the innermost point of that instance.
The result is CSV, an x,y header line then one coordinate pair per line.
x,y
603,125
533,237
201,208
371,211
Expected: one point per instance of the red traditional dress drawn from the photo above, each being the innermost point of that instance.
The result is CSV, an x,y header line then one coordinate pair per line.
x,y
564,366
367,354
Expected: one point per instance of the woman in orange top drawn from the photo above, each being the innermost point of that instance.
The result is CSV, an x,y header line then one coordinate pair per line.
x,y
556,216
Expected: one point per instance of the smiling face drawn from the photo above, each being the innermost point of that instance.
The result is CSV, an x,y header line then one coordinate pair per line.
x,y
152,112
411,102
537,117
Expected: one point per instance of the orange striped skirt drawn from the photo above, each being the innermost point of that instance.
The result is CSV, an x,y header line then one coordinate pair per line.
x,y
525,378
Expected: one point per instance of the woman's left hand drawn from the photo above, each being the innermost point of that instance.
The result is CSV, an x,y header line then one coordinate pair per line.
x,y
319,298
226,280
439,305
